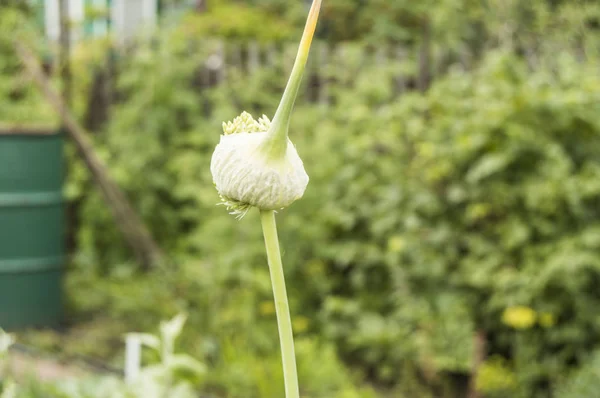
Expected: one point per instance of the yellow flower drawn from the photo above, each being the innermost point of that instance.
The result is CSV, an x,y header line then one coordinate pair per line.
x,y
267,308
519,317
494,376
546,319
395,244
301,324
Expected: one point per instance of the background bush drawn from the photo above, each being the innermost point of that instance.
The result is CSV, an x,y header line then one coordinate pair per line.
x,y
470,209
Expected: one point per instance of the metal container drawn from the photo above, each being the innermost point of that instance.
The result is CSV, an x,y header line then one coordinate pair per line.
x,y
32,225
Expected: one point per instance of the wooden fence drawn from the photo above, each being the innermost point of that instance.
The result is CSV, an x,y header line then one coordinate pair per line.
x,y
416,67
410,68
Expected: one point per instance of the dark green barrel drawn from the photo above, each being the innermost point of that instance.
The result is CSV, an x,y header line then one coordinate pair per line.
x,y
32,226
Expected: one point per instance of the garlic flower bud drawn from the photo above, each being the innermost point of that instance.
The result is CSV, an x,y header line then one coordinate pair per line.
x,y
246,175
255,164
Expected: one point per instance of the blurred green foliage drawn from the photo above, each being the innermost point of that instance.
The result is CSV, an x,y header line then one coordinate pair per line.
x,y
20,102
452,22
584,381
240,22
472,208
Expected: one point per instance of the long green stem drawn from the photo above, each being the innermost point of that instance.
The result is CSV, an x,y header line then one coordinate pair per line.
x,y
284,322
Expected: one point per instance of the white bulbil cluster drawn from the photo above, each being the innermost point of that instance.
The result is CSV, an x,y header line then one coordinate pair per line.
x,y
245,175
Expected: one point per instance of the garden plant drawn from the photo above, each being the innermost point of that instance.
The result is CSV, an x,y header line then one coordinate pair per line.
x,y
256,165
451,219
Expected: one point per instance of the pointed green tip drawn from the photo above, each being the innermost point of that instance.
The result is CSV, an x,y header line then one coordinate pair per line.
x,y
276,142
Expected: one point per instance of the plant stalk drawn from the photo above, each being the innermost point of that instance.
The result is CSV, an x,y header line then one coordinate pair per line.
x,y
282,309
276,141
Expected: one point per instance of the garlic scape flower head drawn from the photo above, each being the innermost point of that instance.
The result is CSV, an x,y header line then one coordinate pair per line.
x,y
246,173
255,164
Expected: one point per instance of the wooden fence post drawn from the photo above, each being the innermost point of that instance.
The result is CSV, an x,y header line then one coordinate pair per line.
x,y
253,56
400,80
424,77
323,95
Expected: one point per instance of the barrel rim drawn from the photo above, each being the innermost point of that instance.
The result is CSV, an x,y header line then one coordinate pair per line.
x,y
11,129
